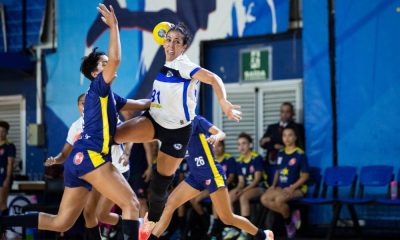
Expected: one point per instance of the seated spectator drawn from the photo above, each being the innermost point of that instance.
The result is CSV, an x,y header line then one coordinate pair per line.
x,y
7,157
289,181
251,183
272,138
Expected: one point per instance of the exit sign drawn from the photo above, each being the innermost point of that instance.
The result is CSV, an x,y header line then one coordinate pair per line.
x,y
256,64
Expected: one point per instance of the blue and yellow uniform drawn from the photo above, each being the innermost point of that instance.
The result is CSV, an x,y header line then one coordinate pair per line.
x,y
248,167
228,163
204,171
7,150
289,166
92,149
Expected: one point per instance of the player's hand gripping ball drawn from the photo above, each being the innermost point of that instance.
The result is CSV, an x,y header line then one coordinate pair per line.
x,y
160,31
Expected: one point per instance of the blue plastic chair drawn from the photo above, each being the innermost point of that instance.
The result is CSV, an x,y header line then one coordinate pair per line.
x,y
334,178
387,200
370,176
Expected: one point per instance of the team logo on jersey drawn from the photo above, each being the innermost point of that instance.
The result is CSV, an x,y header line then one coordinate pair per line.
x,y
1,152
224,167
208,182
178,146
78,158
292,162
170,74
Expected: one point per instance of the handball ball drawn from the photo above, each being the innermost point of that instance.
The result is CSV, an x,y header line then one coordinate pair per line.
x,y
160,32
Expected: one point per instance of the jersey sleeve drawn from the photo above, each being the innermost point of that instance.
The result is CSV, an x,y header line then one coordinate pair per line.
x,y
12,151
231,166
99,86
204,124
258,163
187,68
119,101
303,163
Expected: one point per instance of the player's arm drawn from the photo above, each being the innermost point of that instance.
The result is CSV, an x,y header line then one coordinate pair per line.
x,y
136,105
60,158
114,50
211,78
216,135
301,181
275,181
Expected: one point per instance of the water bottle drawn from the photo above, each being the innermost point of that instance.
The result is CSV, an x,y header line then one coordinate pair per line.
x,y
393,190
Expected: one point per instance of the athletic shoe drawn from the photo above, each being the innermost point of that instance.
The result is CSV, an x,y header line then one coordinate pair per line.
x,y
290,230
231,234
269,234
296,219
242,236
146,228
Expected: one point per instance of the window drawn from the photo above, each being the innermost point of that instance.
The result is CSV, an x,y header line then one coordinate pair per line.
x,y
260,105
12,110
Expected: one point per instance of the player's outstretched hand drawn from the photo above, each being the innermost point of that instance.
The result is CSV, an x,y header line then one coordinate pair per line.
x,y
231,111
108,16
50,161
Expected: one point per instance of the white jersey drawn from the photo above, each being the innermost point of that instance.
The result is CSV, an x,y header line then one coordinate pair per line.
x,y
116,150
174,96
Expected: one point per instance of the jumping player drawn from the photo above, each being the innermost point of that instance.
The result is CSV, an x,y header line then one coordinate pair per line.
x,y
174,99
205,173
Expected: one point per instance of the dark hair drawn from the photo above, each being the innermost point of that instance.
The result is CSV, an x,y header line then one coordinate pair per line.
x,y
81,96
247,136
222,142
291,128
89,63
181,27
289,105
5,125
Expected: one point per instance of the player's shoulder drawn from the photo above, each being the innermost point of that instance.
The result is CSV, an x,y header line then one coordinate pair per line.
x,y
299,151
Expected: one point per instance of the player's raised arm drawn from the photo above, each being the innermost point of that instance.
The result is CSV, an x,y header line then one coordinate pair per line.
x,y
114,50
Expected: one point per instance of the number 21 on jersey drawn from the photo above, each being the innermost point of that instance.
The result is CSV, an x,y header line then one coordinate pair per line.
x,y
155,95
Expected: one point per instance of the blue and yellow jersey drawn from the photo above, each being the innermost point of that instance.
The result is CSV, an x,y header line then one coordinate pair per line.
x,y
100,117
228,163
247,167
289,166
200,158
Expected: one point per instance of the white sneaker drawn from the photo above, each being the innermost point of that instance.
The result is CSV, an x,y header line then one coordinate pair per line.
x,y
269,234
231,234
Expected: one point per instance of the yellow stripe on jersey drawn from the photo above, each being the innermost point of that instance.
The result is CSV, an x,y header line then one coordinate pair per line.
x,y
217,177
106,129
96,158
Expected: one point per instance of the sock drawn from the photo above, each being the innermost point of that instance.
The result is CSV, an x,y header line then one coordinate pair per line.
x,y
287,220
152,237
92,233
130,229
260,235
26,220
158,197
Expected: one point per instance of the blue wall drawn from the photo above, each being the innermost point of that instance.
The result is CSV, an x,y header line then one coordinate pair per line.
x,y
222,58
